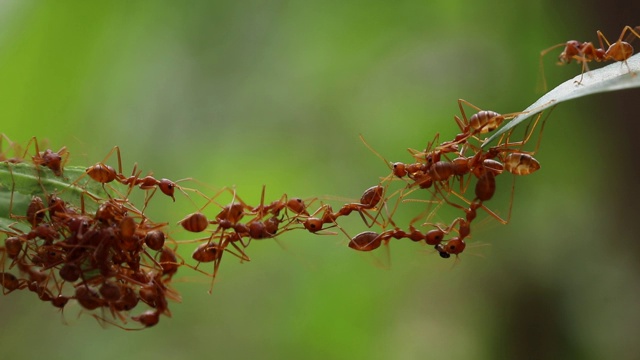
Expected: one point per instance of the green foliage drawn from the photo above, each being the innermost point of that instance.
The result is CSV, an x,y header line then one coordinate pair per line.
x,y
20,182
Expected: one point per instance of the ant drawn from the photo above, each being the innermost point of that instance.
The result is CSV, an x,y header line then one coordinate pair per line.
x,y
482,122
212,252
370,199
54,160
10,283
295,205
453,246
584,52
369,240
197,222
104,174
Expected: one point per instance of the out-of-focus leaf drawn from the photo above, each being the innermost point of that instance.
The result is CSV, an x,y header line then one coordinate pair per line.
x,y
612,77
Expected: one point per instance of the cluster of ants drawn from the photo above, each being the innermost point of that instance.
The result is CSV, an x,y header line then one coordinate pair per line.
x,y
114,258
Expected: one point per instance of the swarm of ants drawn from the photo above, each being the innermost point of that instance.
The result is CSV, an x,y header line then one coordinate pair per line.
x,y
114,258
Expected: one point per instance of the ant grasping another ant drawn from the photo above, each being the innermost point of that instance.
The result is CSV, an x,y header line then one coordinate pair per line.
x,y
212,251
585,52
431,168
86,252
485,168
105,174
416,171
482,122
369,240
371,199
262,222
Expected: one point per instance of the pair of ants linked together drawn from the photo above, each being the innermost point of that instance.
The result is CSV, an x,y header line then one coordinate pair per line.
x,y
105,254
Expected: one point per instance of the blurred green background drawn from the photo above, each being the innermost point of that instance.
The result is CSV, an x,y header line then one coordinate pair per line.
x,y
276,92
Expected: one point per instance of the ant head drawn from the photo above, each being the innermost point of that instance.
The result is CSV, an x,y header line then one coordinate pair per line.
x,y
399,169
167,187
454,246
430,158
313,224
442,251
434,237
298,206
571,49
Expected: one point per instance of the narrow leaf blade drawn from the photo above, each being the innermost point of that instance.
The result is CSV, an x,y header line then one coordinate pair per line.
x,y
612,77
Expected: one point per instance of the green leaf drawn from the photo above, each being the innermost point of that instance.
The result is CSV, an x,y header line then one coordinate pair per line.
x,y
612,77
20,182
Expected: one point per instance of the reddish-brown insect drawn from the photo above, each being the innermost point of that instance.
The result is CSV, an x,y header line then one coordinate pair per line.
x,y
369,240
195,222
10,282
212,252
54,160
585,52
105,174
481,122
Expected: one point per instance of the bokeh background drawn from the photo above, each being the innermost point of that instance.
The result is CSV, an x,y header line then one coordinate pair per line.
x,y
276,93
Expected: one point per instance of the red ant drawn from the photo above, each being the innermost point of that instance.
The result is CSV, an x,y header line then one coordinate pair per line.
x,y
198,222
370,199
105,174
10,283
296,205
212,252
482,122
399,169
369,240
584,52
54,160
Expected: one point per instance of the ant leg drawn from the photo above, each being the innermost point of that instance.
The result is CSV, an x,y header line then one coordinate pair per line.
x,y
485,208
541,66
528,133
464,115
15,148
601,37
634,33
34,141
386,162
